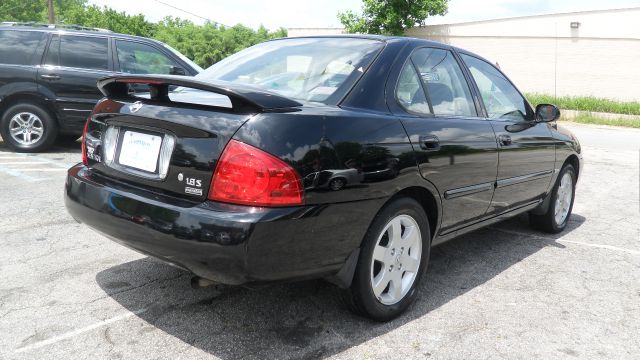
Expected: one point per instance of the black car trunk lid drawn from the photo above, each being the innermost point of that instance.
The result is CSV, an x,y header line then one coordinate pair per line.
x,y
170,141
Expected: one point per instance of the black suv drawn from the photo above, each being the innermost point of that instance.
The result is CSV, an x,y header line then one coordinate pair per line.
x,y
48,77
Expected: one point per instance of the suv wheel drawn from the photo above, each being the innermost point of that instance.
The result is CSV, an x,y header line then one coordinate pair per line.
x,y
28,128
393,257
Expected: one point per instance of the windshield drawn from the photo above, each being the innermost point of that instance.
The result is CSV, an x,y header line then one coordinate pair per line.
x,y
184,58
310,69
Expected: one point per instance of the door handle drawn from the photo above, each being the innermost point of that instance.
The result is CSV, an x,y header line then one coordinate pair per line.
x,y
504,140
50,77
429,143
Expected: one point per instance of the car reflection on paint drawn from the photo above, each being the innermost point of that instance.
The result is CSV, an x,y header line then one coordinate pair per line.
x,y
334,179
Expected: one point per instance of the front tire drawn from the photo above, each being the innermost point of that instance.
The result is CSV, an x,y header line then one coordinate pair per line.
x,y
561,203
337,184
393,257
28,128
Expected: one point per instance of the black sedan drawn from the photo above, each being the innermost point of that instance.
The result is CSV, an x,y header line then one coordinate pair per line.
x,y
208,173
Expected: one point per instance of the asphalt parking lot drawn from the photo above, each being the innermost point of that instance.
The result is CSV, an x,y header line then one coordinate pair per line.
x,y
501,292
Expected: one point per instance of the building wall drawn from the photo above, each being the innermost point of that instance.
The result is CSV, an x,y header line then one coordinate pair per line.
x,y
543,54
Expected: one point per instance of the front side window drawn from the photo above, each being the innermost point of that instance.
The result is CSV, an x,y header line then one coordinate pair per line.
x,y
445,84
500,97
18,47
137,58
310,69
78,52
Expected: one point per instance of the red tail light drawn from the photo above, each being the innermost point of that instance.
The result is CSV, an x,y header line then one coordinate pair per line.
x,y
84,143
249,176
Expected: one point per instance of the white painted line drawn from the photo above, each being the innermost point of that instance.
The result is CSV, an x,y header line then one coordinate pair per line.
x,y
19,174
601,246
43,169
11,157
76,332
23,163
47,160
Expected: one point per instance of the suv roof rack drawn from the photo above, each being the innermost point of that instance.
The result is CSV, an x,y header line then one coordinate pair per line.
x,y
53,26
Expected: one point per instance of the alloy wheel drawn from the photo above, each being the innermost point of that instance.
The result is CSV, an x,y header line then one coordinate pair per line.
x,y
563,198
396,259
26,128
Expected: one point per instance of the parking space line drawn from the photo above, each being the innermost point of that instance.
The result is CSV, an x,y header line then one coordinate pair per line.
x,y
47,160
22,162
77,332
20,175
44,169
601,246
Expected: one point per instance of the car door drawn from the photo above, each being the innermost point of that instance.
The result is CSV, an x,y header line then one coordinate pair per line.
x,y
455,148
72,65
526,148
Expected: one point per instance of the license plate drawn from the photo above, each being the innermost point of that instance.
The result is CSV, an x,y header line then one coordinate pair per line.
x,y
140,151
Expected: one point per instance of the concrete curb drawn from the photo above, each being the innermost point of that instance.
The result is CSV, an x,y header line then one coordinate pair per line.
x,y
572,114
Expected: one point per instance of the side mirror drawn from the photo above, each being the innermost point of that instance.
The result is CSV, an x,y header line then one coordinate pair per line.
x,y
176,70
547,113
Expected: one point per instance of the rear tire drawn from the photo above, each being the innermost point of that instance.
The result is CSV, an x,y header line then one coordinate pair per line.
x,y
28,128
390,266
561,203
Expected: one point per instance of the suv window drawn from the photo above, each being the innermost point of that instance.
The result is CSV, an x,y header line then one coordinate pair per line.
x,y
18,47
138,58
78,52
446,86
500,97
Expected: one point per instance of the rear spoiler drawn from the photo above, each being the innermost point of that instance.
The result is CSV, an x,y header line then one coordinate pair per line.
x,y
241,96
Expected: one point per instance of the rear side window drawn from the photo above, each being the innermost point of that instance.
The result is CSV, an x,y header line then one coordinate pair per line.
x,y
445,83
410,93
19,47
78,52
137,58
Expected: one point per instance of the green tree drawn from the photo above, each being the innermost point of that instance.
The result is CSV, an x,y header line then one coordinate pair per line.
x,y
205,44
107,18
391,17
22,10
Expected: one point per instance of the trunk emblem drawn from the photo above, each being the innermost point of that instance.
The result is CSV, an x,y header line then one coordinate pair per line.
x,y
180,177
135,106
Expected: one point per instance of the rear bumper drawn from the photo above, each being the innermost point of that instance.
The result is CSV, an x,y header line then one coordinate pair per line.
x,y
225,243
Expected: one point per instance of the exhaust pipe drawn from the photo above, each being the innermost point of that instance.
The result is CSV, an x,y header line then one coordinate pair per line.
x,y
197,282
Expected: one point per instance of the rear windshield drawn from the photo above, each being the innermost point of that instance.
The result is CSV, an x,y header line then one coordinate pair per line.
x,y
309,69
19,47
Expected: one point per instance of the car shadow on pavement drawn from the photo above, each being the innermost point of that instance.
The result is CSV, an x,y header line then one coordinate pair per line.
x,y
306,320
65,146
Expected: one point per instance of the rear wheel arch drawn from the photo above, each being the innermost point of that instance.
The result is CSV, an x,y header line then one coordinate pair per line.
x,y
27,98
428,201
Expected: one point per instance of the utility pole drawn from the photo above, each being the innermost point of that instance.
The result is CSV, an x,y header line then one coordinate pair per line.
x,y
52,15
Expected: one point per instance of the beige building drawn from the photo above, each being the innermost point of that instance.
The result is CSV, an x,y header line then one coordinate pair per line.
x,y
580,53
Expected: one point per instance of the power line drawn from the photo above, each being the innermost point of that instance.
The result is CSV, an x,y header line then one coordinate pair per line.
x,y
192,14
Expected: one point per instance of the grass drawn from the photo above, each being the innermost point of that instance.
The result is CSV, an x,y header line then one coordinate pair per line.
x,y
587,103
588,119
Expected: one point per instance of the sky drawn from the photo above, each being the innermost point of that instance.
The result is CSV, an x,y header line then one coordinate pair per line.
x,y
322,13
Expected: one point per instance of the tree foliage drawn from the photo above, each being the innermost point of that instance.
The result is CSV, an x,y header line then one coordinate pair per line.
x,y
209,43
204,44
391,17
